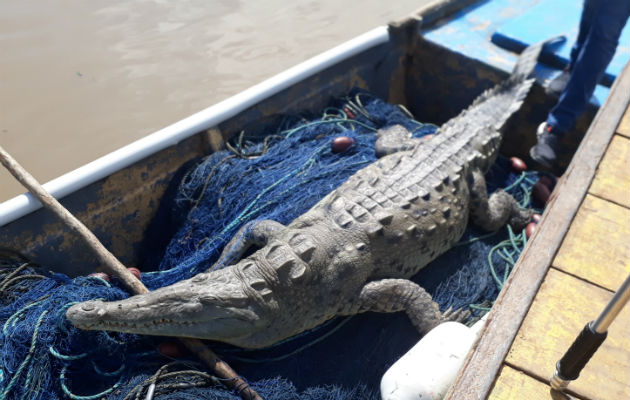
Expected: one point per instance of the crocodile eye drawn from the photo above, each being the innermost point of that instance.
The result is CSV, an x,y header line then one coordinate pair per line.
x,y
88,307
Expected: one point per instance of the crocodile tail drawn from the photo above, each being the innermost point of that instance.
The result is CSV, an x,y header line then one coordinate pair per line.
x,y
492,108
478,128
526,63
522,78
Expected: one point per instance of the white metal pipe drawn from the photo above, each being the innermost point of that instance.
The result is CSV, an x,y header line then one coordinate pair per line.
x,y
613,308
70,182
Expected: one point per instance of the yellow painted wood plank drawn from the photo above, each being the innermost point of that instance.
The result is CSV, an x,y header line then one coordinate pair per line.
x,y
563,305
624,125
516,385
597,246
612,180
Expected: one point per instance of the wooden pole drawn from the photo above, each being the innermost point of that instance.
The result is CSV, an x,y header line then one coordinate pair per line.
x,y
115,268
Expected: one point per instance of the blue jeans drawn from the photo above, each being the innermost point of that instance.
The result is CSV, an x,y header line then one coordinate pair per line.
x,y
600,26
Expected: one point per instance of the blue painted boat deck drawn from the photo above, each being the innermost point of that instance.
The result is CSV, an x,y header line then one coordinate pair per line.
x,y
514,24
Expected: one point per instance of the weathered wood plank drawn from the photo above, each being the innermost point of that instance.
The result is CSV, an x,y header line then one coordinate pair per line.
x,y
482,365
612,180
624,125
597,247
513,384
562,307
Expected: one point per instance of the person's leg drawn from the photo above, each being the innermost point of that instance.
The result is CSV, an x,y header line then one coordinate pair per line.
x,y
588,11
557,85
589,66
591,62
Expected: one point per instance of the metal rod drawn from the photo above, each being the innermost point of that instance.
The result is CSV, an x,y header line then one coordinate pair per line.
x,y
116,268
589,340
613,308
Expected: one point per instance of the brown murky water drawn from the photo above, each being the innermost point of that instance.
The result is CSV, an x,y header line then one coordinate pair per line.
x,y
79,79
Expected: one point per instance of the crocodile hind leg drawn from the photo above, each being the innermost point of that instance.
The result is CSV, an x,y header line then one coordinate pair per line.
x,y
254,233
492,213
392,295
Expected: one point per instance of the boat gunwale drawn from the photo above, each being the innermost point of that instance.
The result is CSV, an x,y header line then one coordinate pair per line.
x,y
483,363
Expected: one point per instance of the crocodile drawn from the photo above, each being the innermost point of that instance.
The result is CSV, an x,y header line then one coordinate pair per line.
x,y
352,252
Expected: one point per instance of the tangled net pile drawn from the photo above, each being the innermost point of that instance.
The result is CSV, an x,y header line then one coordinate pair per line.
x,y
277,173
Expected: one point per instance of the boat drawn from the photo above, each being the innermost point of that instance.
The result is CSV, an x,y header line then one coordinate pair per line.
x,y
434,62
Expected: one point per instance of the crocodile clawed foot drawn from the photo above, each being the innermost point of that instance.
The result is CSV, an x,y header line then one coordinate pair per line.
x,y
459,315
520,218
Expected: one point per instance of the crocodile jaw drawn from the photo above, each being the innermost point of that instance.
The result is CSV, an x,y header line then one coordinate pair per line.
x,y
190,308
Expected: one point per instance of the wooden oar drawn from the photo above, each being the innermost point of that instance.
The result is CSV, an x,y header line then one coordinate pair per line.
x,y
115,268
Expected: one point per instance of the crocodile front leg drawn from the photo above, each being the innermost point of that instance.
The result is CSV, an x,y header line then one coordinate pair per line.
x,y
392,295
492,213
254,233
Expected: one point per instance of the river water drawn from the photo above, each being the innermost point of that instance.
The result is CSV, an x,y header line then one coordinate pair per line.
x,y
79,78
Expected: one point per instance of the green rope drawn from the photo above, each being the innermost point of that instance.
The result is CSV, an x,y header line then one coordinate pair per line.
x,y
516,182
18,314
330,121
492,271
104,373
479,307
475,239
99,279
526,196
64,357
73,396
61,321
506,250
28,357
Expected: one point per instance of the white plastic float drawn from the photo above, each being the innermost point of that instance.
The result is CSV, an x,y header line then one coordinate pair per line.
x,y
428,370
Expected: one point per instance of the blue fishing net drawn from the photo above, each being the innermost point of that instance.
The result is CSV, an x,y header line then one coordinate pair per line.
x,y
277,173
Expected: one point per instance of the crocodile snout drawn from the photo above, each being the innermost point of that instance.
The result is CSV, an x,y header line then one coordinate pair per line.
x,y
85,314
